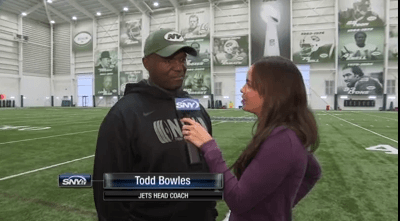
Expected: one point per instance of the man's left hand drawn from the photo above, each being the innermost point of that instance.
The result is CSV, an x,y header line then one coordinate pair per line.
x,y
195,133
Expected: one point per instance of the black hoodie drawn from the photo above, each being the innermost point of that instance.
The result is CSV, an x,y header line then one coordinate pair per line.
x,y
142,133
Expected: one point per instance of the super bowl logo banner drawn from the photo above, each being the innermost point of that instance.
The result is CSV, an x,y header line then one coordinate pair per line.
x,y
198,81
129,77
361,44
106,72
195,23
203,58
270,28
360,79
231,51
314,47
361,13
131,33
82,37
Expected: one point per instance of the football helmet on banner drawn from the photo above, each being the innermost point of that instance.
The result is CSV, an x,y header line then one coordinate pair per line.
x,y
309,44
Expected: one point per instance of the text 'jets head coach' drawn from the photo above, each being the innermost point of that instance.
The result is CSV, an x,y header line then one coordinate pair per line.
x,y
140,135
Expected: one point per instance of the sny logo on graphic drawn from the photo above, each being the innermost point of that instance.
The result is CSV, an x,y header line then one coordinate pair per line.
x,y
74,180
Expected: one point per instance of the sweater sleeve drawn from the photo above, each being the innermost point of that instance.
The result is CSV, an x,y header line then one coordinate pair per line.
x,y
312,175
261,178
113,155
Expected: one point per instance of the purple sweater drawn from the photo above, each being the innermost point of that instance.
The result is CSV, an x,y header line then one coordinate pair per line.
x,y
278,177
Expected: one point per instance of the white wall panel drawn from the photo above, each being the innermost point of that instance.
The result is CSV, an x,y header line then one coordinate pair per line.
x,y
36,53
10,87
394,12
317,85
107,32
8,47
62,87
231,18
62,49
36,90
166,19
228,87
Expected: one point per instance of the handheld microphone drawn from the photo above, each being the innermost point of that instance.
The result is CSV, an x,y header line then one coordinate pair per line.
x,y
184,106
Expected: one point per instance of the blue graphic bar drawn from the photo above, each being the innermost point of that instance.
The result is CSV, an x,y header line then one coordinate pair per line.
x,y
163,181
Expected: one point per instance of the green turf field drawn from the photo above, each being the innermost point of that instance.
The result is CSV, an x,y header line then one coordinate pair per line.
x,y
38,144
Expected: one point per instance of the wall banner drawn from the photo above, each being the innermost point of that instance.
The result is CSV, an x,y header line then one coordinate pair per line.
x,y
231,51
106,72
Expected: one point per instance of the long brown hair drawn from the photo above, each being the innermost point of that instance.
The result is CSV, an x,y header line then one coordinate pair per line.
x,y
280,83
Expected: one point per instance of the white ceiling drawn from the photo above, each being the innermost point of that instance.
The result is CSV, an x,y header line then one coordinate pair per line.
x,y
62,11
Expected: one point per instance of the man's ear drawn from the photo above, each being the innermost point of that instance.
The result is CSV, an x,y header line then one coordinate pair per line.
x,y
145,61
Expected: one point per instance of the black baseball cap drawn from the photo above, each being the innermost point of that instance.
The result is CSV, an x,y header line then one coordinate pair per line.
x,y
166,42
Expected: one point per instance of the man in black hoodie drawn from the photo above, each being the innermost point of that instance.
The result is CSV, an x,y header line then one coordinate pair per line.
x,y
142,133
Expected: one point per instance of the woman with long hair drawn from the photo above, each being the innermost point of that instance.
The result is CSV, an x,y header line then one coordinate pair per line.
x,y
277,168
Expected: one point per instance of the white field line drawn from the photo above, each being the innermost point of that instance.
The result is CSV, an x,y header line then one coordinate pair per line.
x,y
52,124
39,138
46,117
387,118
43,168
55,165
365,129
218,123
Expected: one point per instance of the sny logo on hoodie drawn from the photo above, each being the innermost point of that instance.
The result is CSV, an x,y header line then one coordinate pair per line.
x,y
185,104
170,130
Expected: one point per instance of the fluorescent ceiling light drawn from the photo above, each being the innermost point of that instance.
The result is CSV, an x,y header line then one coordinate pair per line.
x,y
126,9
74,18
156,4
98,13
23,14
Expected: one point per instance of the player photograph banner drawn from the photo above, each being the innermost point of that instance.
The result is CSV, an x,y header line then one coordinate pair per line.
x,y
82,37
361,44
131,33
232,51
203,58
360,79
127,77
195,23
361,13
106,72
394,43
270,28
314,47
198,81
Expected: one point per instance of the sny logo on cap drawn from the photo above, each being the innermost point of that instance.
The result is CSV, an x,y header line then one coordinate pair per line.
x,y
173,36
75,180
187,104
